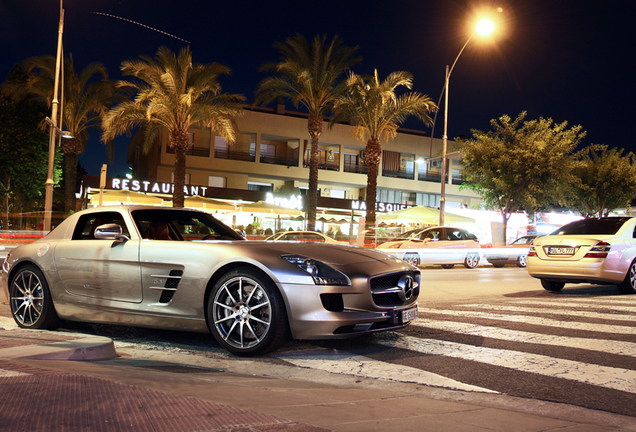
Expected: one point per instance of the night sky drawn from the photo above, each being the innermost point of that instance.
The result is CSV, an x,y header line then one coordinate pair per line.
x,y
570,60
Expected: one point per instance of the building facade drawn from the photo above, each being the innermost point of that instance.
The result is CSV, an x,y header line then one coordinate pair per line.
x,y
271,154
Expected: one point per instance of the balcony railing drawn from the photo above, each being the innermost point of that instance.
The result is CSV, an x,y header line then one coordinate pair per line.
x,y
279,161
403,174
235,155
359,169
193,151
430,177
329,166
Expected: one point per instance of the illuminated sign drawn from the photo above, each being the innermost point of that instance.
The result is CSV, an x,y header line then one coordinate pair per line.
x,y
154,187
379,206
295,202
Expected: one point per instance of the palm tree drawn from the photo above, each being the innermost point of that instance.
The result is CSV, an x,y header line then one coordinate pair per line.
x,y
84,101
172,93
374,109
308,74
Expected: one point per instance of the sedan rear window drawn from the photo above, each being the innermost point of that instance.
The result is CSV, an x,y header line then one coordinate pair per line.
x,y
603,226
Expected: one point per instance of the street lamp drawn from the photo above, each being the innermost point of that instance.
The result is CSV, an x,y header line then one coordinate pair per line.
x,y
484,27
48,199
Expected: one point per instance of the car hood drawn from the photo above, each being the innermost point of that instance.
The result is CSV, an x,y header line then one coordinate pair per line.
x,y
328,253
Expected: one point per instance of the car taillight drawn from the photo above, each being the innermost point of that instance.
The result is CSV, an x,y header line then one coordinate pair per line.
x,y
532,252
599,250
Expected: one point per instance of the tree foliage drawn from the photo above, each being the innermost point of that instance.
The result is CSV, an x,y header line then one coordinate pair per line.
x,y
376,111
83,101
173,93
307,74
521,165
24,147
605,180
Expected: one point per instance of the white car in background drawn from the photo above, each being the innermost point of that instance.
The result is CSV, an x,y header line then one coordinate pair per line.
x,y
445,246
593,251
305,236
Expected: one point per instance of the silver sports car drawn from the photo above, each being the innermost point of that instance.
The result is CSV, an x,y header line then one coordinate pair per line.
x,y
182,269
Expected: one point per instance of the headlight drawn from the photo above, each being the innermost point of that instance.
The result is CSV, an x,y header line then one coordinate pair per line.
x,y
319,271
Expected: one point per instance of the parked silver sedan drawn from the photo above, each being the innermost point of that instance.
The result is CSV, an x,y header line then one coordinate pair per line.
x,y
596,251
184,270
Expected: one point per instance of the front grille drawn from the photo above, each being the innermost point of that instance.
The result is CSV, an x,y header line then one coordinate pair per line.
x,y
385,289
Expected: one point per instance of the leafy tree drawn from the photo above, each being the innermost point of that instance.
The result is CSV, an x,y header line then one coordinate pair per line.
x,y
605,180
308,75
375,110
172,93
520,165
85,98
25,152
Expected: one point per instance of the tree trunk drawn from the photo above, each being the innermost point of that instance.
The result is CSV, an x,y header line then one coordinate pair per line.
x,y
71,148
314,128
179,141
373,152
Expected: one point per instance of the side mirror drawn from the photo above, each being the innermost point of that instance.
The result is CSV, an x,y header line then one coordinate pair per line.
x,y
110,232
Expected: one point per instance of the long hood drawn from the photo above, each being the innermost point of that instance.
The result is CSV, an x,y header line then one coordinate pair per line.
x,y
334,254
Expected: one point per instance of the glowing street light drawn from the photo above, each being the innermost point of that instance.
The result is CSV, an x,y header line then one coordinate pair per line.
x,y
484,27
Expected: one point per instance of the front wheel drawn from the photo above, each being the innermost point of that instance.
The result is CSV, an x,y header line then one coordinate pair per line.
x,y
246,313
30,300
628,286
471,261
552,286
448,266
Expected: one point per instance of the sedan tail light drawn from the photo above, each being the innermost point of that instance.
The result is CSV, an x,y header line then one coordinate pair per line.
x,y
531,251
599,250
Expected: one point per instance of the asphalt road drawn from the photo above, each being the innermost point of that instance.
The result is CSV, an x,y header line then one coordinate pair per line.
x,y
486,330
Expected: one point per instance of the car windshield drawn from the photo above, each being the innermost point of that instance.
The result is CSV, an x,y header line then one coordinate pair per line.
x,y
182,225
603,226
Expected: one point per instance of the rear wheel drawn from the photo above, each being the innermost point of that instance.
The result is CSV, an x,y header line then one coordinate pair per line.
x,y
471,261
497,265
552,286
628,286
522,260
246,313
30,300
448,266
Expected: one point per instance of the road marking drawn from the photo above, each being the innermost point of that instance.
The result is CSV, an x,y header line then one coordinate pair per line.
x,y
547,322
619,306
569,312
601,376
361,366
601,345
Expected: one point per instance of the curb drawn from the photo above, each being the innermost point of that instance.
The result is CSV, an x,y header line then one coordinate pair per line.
x,y
82,349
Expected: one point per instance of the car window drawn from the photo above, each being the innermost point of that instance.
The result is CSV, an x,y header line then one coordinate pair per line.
x,y
313,237
181,225
454,234
434,234
602,226
86,224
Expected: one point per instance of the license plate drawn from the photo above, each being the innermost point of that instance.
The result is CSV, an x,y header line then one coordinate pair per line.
x,y
560,251
409,314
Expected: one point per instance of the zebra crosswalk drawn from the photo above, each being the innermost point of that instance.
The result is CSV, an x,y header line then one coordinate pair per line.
x,y
571,349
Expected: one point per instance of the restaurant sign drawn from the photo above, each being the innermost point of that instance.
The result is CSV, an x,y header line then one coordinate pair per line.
x,y
155,187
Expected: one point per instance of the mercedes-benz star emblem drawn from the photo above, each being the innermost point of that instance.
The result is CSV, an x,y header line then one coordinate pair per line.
x,y
406,285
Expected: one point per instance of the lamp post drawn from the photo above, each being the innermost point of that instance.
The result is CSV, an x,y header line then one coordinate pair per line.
x,y
484,27
48,199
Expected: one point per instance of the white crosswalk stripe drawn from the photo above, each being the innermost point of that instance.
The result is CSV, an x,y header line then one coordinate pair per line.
x,y
529,319
603,376
601,345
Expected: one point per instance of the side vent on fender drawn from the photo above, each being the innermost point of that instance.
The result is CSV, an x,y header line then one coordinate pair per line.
x,y
170,286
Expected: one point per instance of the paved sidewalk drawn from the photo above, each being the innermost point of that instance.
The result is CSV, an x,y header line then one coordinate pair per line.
x,y
43,389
